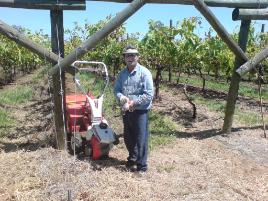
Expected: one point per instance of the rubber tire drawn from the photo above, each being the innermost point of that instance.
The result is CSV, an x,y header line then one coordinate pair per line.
x,y
116,142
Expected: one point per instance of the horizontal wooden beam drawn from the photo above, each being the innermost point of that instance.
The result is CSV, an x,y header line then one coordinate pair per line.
x,y
250,14
45,4
81,5
251,64
213,3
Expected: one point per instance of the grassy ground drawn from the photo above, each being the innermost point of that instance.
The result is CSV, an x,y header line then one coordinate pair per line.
x,y
189,159
249,89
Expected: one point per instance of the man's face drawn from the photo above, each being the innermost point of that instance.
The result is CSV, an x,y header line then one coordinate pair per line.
x,y
131,59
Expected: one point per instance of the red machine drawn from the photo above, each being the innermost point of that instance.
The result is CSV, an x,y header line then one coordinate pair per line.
x,y
88,131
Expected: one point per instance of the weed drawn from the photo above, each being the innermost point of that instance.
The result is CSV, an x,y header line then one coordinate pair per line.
x,y
252,92
214,105
162,129
249,118
5,123
165,168
41,74
92,83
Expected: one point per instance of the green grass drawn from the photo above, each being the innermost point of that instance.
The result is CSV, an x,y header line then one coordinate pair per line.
x,y
6,122
249,118
41,74
245,89
213,105
92,83
195,81
20,94
110,105
96,86
162,129
253,92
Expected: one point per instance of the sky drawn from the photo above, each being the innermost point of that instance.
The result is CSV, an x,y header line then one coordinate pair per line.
x,y
36,20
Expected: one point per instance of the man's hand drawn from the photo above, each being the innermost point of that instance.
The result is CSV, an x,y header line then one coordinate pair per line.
x,y
131,105
123,100
125,107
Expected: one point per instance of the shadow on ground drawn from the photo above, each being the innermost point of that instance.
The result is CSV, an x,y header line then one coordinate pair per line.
x,y
26,146
204,134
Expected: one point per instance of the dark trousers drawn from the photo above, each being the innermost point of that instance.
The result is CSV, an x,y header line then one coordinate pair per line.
x,y
136,137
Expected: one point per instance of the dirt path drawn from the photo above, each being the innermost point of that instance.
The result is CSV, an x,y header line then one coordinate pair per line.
x,y
199,164
33,118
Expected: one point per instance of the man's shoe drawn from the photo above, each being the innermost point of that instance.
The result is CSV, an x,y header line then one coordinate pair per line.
x,y
141,168
139,174
130,165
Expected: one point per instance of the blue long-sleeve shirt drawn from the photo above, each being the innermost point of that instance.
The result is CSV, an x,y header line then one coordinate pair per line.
x,y
137,86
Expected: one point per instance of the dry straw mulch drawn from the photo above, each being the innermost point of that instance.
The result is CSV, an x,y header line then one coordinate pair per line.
x,y
188,169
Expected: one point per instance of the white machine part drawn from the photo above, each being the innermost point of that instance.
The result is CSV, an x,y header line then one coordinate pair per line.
x,y
95,104
99,126
104,133
96,109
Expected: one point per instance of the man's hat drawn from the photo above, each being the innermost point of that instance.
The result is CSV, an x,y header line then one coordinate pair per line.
x,y
130,49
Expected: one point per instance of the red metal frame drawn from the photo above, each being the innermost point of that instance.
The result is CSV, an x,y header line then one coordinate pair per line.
x,y
78,113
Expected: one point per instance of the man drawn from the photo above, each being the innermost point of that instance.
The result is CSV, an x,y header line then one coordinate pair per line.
x,y
134,90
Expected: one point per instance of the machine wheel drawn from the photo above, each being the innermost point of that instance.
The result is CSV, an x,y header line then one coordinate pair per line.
x,y
73,146
116,141
99,150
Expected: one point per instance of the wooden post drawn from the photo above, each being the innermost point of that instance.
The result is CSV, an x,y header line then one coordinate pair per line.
x,y
57,44
250,14
235,80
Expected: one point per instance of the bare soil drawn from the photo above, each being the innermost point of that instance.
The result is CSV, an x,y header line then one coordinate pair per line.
x,y
200,164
